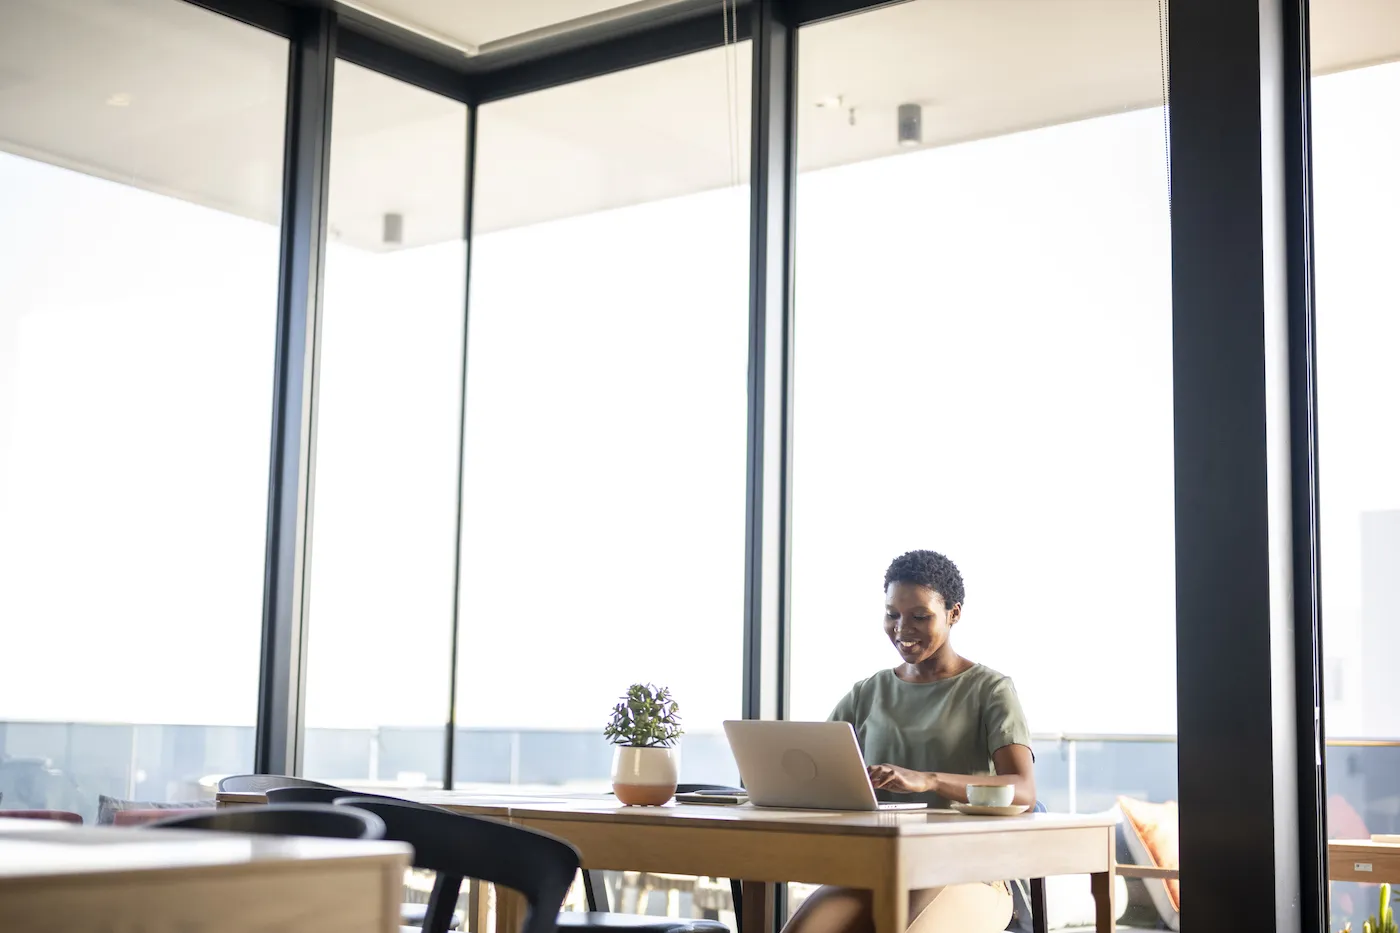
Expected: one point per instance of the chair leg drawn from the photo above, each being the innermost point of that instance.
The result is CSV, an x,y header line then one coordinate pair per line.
x,y
442,904
736,889
1039,921
595,891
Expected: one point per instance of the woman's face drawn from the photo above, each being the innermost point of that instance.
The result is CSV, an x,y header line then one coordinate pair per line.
x,y
916,621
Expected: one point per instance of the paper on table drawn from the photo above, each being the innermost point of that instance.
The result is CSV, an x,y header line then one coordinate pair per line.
x,y
1388,838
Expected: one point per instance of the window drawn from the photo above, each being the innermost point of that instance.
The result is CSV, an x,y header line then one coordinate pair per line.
x,y
603,531
140,182
983,366
385,507
1356,200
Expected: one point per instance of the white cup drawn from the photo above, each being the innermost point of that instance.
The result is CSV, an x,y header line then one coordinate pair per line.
x,y
990,795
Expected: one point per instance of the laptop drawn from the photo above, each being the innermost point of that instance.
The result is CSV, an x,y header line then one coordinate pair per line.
x,y
804,766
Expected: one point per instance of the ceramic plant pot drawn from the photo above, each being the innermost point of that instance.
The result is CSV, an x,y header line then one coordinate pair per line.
x,y
645,777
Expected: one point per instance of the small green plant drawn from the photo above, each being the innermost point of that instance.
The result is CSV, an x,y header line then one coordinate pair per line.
x,y
647,717
1383,920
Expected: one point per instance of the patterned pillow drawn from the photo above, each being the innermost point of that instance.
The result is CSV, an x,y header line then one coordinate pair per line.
x,y
107,807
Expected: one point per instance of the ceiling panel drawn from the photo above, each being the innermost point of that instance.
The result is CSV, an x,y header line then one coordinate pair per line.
x,y
146,93
479,22
195,120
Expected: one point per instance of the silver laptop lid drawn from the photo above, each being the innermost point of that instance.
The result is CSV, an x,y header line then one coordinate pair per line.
x,y
802,765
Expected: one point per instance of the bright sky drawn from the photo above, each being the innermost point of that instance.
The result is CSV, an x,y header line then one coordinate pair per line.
x,y
983,367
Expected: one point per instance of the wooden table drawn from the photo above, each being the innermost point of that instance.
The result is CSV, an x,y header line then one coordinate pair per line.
x,y
889,853
75,880
1363,860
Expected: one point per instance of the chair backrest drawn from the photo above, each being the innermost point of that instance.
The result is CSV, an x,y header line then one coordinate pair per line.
x,y
303,819
316,795
257,783
60,815
456,846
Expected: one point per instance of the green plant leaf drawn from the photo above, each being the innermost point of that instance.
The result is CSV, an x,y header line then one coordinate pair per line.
x,y
646,716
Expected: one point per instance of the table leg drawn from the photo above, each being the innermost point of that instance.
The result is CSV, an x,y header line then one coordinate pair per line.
x,y
1104,915
758,898
890,905
510,909
478,907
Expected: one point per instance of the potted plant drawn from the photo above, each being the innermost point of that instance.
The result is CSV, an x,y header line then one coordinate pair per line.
x,y
644,727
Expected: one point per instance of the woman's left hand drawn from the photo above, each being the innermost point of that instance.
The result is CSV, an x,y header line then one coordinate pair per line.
x,y
900,780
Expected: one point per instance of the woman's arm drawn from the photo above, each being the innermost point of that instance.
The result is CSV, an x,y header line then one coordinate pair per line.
x,y
1014,765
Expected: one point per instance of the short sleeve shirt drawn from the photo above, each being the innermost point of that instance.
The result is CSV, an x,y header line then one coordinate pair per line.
x,y
952,725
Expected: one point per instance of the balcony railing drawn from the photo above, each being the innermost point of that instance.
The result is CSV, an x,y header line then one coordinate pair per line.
x,y
67,765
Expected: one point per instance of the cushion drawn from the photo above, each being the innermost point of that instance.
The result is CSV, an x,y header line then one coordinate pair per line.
x,y
107,807
1153,839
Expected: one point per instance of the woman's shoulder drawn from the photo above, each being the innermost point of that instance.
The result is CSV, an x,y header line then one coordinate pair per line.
x,y
869,684
867,688
984,674
987,681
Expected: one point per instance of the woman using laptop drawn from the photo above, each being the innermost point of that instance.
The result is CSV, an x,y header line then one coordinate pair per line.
x,y
935,723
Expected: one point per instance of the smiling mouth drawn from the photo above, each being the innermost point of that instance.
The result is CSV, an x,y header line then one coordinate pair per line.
x,y
907,645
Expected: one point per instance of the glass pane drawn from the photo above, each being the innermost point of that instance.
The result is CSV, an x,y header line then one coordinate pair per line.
x,y
1356,192
604,486
140,186
387,436
983,370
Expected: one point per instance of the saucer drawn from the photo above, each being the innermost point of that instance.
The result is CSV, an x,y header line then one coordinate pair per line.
x,y
970,810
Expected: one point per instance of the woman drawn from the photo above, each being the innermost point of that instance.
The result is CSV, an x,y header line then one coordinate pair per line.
x,y
935,723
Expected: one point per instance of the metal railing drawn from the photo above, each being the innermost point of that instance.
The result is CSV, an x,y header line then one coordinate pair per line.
x,y
43,764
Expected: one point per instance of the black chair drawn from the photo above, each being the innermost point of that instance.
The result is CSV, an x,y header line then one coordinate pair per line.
x,y
457,847
592,920
596,892
259,783
283,820
410,915
538,865
326,795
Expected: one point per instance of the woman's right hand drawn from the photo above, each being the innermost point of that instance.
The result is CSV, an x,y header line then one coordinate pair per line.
x,y
900,780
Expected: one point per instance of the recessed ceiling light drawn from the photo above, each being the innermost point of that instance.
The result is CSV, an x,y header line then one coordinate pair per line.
x,y
119,99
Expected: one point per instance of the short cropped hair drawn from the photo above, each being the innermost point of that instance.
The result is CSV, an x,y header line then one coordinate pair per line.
x,y
930,569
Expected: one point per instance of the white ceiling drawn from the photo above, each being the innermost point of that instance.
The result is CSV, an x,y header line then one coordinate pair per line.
x,y
204,117
203,114
479,25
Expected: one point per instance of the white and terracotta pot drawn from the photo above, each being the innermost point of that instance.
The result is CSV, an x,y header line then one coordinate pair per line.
x,y
645,777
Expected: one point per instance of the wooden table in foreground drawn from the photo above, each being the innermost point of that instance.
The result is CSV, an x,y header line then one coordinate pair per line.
x,y
77,879
889,853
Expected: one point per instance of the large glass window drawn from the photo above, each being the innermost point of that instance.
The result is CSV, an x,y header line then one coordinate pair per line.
x,y
603,534
1356,147
140,185
983,368
380,618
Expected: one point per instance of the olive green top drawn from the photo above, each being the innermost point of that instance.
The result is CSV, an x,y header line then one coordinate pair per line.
x,y
951,725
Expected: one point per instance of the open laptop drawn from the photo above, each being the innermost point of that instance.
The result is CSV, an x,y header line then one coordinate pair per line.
x,y
804,766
